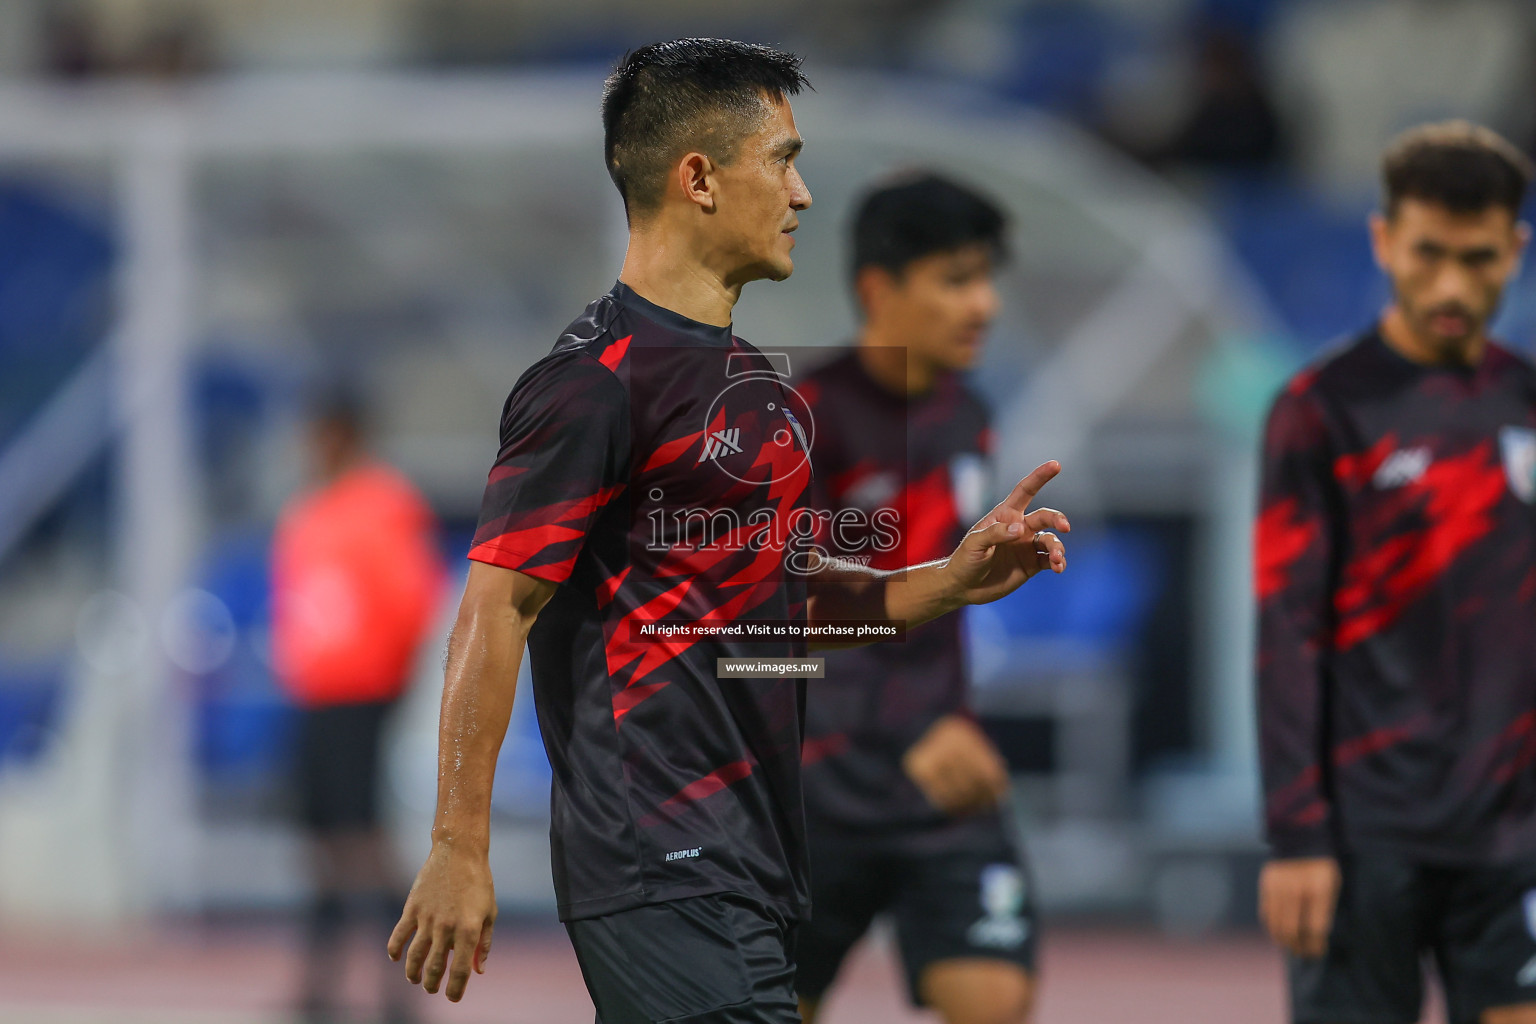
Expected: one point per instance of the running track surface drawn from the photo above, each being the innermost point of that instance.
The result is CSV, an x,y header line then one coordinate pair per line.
x,y
245,975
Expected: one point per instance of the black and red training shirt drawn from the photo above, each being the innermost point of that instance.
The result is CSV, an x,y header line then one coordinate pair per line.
x,y
1396,580
651,465
912,470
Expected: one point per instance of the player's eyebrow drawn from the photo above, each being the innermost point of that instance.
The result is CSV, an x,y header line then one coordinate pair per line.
x,y
789,147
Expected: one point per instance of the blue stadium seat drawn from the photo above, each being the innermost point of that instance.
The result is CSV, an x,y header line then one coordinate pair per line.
x,y
31,700
55,291
1313,260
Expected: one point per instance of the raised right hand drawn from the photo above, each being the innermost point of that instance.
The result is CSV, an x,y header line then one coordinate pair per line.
x,y
1297,897
1009,545
452,907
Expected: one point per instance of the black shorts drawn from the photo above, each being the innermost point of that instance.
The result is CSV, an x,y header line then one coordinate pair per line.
x,y
969,897
1478,924
720,959
337,774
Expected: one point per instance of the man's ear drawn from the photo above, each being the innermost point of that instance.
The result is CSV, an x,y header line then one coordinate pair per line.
x,y
693,175
1522,242
1381,227
871,286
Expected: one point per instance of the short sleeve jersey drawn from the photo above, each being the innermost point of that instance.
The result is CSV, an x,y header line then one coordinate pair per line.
x,y
649,466
914,469
1396,578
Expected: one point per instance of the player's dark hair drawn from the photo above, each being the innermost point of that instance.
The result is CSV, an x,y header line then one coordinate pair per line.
x,y
917,215
1461,166
688,94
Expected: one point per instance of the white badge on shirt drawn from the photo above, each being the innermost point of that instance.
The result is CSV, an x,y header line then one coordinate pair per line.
x,y
971,481
1518,446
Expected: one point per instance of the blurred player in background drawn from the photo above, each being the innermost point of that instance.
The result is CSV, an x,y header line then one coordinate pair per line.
x,y
902,787
1396,575
650,473
356,581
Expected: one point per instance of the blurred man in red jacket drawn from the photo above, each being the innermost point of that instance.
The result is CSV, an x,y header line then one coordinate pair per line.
x,y
356,581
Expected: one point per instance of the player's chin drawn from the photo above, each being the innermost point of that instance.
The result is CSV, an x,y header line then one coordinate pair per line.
x,y
964,356
779,269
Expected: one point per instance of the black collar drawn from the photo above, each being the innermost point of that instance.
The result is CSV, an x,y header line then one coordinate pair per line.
x,y
708,334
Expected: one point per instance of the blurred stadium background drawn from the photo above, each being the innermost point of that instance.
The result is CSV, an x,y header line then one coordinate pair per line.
x,y
206,206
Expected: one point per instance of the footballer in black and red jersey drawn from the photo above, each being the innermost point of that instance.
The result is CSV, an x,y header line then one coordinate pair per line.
x,y
1396,581
644,516
902,787
638,415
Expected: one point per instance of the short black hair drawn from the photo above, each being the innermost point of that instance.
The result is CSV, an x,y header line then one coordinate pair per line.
x,y
1461,166
667,98
917,214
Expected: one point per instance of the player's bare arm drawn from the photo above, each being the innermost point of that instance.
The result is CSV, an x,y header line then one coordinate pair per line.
x,y
999,554
452,904
1298,889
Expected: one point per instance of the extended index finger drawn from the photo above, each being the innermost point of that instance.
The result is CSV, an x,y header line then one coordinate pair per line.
x,y
1025,490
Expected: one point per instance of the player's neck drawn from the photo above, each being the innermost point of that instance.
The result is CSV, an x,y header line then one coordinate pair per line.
x,y
660,269
339,465
1400,336
892,366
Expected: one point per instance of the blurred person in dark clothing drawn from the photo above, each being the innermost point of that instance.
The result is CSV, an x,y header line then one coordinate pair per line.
x,y
356,582
72,47
1232,122
1396,579
173,49
902,787
169,44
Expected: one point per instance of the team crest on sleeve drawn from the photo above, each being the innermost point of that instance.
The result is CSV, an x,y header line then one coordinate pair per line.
x,y
1518,447
1002,898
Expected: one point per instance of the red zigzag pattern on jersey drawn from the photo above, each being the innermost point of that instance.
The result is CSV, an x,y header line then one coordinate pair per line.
x,y
622,650
1377,585
1281,536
